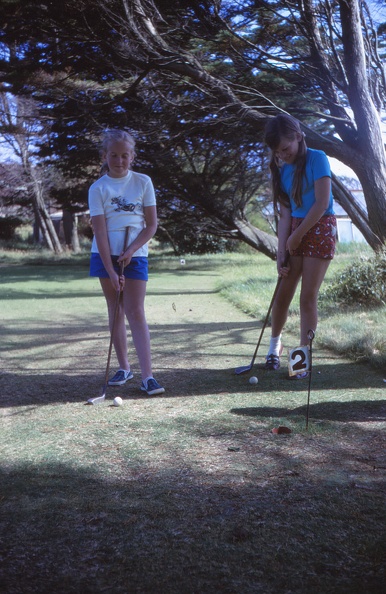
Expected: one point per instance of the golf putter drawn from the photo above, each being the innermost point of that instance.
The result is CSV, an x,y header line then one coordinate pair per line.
x,y
101,398
245,368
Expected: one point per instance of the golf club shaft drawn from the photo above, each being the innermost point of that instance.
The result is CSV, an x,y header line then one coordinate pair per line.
x,y
118,296
117,299
240,370
99,399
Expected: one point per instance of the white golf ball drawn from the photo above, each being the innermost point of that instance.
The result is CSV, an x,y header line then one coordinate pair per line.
x,y
117,401
253,380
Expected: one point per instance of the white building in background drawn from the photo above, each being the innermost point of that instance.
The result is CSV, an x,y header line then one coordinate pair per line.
x,y
347,231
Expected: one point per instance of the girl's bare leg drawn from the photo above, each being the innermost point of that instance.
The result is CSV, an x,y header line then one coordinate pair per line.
x,y
285,295
314,271
120,334
134,306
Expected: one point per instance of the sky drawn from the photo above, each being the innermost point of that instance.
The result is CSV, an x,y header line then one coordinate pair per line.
x,y
377,10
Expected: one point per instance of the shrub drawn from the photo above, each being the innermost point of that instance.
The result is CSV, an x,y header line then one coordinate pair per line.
x,y
362,283
8,226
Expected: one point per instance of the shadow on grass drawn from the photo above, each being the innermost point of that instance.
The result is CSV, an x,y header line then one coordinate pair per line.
x,y
32,387
176,530
328,374
361,411
11,293
43,274
26,389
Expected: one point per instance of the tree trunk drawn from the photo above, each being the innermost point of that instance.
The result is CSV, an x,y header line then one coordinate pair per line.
x,y
40,227
44,221
75,237
362,148
259,240
70,228
371,165
68,225
169,237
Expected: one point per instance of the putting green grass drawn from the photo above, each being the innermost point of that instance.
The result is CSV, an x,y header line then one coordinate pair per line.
x,y
190,491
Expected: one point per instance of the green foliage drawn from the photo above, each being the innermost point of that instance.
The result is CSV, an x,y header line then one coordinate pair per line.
x,y
198,120
250,281
363,283
8,226
190,241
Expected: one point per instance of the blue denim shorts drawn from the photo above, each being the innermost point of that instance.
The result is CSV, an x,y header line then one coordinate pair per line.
x,y
136,270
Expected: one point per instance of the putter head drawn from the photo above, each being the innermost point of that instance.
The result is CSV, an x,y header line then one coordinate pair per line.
x,y
96,400
243,369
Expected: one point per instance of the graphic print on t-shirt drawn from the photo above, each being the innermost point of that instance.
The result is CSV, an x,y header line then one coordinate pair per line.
x,y
123,204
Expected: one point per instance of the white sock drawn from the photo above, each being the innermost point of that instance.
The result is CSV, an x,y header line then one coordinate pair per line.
x,y
274,345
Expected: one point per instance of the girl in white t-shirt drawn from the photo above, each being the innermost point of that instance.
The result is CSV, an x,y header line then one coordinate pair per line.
x,y
118,200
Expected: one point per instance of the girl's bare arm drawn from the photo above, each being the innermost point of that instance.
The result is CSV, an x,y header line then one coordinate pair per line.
x,y
102,239
144,236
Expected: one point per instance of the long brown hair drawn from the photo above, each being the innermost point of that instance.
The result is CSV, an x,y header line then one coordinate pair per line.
x,y
279,127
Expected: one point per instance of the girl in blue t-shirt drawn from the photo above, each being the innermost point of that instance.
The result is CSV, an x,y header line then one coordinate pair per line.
x,y
302,198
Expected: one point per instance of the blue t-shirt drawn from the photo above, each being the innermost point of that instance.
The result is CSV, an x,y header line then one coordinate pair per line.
x,y
317,166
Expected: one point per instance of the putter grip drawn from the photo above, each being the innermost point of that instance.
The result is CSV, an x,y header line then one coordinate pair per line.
x,y
121,266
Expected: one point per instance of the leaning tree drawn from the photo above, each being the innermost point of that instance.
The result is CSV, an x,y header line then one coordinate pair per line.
x,y
331,48
215,66
21,129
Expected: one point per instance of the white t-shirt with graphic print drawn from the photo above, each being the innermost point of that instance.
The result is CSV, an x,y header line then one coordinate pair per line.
x,y
121,200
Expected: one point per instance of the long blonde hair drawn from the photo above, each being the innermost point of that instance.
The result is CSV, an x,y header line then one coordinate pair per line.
x,y
279,127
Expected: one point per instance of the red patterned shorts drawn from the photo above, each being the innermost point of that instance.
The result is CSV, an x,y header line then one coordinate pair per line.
x,y
319,241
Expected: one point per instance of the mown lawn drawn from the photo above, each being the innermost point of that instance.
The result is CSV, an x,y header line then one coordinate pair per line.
x,y
189,492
